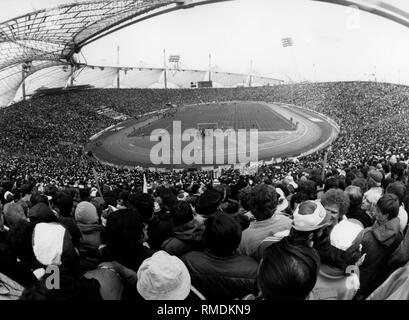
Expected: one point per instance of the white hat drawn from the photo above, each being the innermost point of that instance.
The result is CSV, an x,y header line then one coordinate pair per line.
x,y
94,192
51,244
182,196
304,221
7,194
346,233
290,180
163,277
282,201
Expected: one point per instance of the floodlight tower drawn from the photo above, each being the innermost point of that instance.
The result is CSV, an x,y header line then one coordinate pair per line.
x,y
164,69
118,84
25,70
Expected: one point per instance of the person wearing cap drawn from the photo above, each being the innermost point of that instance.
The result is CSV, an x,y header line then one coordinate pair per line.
x,y
8,200
379,242
338,277
263,203
51,245
187,231
87,220
219,272
160,277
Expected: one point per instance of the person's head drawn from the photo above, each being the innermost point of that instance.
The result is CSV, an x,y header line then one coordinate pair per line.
x,y
181,213
41,213
355,195
208,203
163,277
336,202
244,197
144,203
86,213
222,234
398,170
310,221
64,203
52,245
282,202
345,245
287,271
309,187
388,207
14,214
297,198
332,183
398,189
84,194
369,201
263,201
361,183
375,178
38,198
124,233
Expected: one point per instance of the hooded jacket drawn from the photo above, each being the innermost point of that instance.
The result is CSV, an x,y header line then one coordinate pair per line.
x,y
186,237
91,235
379,242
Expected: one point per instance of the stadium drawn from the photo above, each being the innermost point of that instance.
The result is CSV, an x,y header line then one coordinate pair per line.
x,y
129,179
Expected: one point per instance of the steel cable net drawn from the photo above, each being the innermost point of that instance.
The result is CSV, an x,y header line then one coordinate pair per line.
x,y
55,34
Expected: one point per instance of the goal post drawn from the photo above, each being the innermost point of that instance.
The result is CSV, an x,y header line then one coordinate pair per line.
x,y
207,125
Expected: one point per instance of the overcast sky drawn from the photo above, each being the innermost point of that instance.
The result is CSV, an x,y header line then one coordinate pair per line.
x,y
330,42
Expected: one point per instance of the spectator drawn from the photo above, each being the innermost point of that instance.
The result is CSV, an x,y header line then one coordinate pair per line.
x,y
287,272
338,277
379,242
336,202
263,203
187,231
218,272
355,211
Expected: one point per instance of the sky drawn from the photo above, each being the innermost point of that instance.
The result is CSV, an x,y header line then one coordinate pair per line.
x,y
331,43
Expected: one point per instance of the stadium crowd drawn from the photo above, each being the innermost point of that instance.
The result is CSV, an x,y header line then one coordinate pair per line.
x,y
283,232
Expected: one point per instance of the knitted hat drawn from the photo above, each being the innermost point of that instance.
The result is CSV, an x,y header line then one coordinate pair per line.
x,y
86,213
163,277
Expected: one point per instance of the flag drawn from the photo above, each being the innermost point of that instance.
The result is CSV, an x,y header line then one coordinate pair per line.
x,y
94,172
287,42
145,185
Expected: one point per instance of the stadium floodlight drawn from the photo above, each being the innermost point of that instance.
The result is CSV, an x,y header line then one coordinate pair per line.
x,y
175,58
287,42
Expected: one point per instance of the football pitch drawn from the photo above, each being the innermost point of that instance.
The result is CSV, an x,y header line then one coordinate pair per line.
x,y
166,140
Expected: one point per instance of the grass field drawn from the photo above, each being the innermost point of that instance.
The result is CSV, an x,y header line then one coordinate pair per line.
x,y
131,143
237,115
